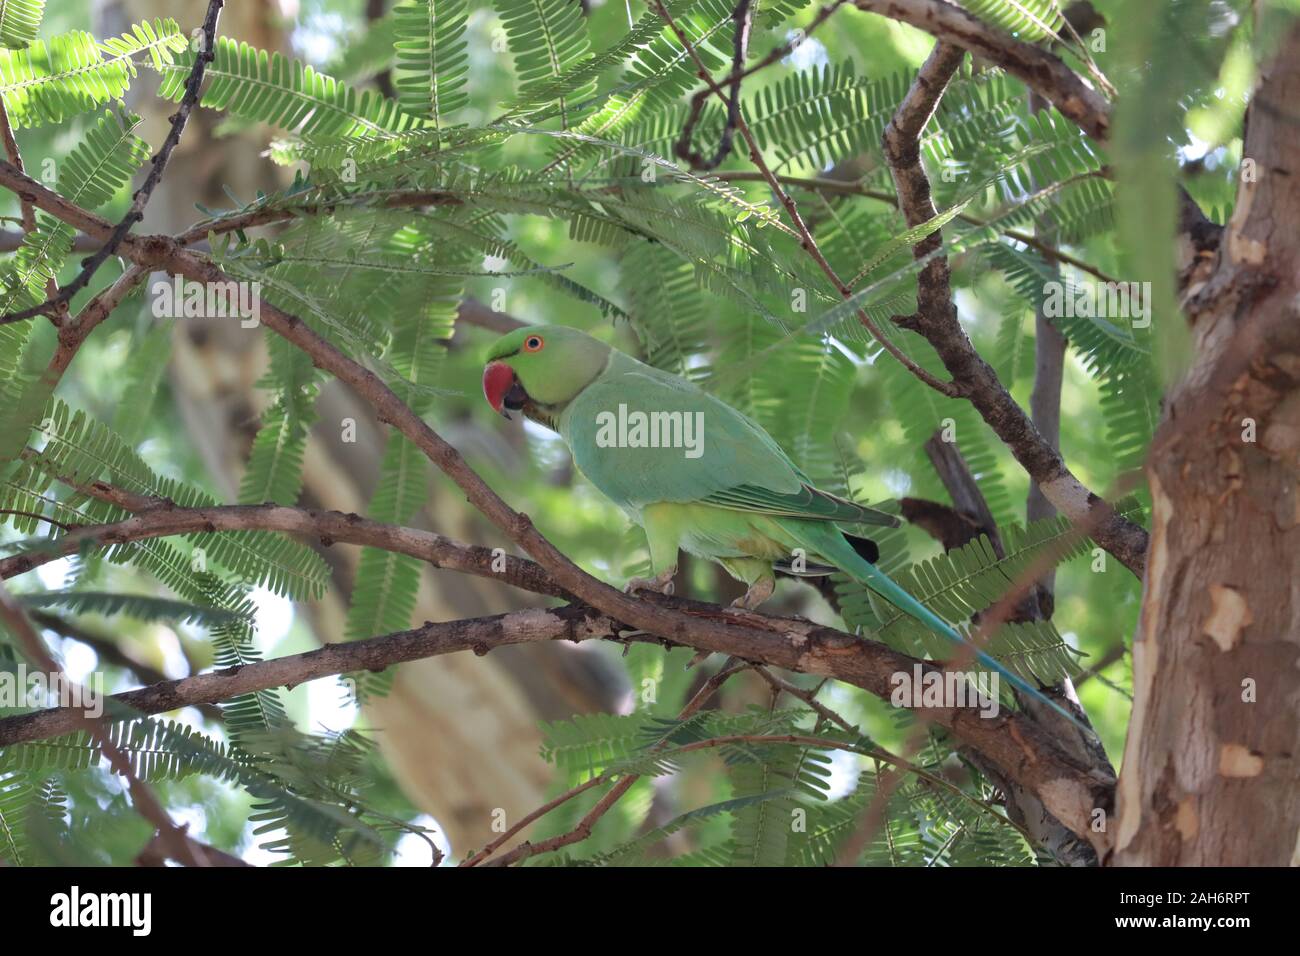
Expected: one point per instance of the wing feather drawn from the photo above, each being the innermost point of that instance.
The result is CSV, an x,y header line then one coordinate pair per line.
x,y
736,465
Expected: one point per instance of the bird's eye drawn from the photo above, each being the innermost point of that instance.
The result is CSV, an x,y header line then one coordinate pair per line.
x,y
533,343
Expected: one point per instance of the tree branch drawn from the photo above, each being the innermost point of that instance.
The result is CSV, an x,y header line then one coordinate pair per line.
x,y
575,623
141,198
1040,70
157,519
851,188
936,320
807,241
142,798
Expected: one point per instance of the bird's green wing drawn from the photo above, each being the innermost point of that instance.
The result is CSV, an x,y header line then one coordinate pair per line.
x,y
807,502
729,462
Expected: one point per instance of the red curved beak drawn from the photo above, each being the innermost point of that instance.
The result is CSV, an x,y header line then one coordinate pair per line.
x,y
498,378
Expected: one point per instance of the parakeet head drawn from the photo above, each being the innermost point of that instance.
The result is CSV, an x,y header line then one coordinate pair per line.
x,y
540,369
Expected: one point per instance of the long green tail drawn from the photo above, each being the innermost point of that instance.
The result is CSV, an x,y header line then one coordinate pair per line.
x,y
867,574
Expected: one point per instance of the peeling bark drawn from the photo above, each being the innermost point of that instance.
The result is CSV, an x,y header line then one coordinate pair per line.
x,y
1213,753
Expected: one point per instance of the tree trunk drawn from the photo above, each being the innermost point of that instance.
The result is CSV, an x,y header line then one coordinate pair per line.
x,y
1212,760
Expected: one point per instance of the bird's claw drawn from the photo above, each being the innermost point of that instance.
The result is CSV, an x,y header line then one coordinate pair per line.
x,y
661,583
758,592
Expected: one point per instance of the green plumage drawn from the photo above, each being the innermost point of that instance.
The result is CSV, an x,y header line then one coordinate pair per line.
x,y
695,473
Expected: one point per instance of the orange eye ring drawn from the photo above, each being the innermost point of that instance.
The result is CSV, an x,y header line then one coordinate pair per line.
x,y
534,343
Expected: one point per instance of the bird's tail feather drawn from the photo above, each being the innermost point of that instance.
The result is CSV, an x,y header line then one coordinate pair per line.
x,y
875,579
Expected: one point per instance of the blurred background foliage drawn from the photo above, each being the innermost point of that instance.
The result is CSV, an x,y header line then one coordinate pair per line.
x,y
848,414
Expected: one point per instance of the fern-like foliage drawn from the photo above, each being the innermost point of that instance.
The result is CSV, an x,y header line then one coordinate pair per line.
x,y
969,579
78,450
305,788
155,749
432,62
144,607
283,92
383,598
1119,357
761,832
648,28
102,164
1031,20
656,75
33,816
19,21
74,73
274,470
547,37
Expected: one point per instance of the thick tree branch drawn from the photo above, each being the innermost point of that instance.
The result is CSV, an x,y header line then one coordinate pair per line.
x,y
477,634
1040,70
158,519
936,320
1018,747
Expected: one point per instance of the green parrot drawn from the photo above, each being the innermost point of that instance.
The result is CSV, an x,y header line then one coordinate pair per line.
x,y
692,471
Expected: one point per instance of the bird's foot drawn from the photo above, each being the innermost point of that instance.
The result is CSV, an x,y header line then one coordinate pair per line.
x,y
758,592
661,583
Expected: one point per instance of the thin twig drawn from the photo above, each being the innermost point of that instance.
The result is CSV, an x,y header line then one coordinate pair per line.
x,y
141,198
825,184
15,619
28,210
807,241
743,18
605,804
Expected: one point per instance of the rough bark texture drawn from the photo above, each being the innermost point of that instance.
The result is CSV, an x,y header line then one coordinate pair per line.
x,y
1211,762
